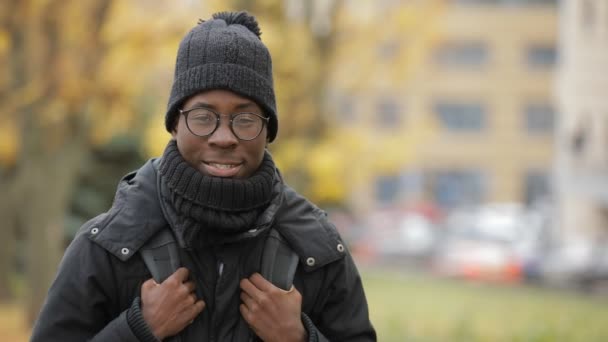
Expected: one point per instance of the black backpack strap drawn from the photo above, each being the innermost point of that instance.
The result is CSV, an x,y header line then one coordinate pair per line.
x,y
279,261
161,255
278,265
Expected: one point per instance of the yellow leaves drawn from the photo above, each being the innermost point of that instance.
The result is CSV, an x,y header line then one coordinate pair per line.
x,y
9,141
110,120
155,137
4,42
371,55
322,162
289,154
328,171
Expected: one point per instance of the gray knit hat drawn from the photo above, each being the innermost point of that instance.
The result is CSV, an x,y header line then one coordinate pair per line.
x,y
225,52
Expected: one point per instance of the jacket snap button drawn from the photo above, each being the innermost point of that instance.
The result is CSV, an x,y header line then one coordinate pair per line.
x,y
310,261
340,247
124,251
94,230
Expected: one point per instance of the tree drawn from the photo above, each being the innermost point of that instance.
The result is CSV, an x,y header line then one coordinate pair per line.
x,y
52,51
79,73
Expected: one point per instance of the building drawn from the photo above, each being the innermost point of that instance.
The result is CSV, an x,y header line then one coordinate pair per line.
x,y
452,99
582,134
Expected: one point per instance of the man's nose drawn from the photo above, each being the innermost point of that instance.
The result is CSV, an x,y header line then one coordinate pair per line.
x,y
223,136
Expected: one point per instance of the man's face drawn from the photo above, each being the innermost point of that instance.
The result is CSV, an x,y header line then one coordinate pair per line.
x,y
221,154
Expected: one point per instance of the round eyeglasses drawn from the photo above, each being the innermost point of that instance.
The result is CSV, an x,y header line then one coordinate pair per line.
x,y
204,121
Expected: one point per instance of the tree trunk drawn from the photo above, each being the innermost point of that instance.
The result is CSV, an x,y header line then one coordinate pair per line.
x,y
7,243
53,125
48,182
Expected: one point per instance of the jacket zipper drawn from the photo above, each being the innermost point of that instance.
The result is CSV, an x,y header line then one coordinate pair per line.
x,y
220,270
200,270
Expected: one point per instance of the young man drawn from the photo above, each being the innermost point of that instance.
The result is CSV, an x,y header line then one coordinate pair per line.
x,y
218,191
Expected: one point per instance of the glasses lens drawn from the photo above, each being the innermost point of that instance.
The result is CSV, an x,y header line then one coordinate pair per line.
x,y
247,126
201,121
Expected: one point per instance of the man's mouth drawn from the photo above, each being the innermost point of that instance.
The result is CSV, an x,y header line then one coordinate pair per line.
x,y
223,166
221,169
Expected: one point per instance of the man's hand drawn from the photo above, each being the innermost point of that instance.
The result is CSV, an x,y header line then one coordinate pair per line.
x,y
169,307
272,313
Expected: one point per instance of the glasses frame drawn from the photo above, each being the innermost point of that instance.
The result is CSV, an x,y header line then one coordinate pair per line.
x,y
218,117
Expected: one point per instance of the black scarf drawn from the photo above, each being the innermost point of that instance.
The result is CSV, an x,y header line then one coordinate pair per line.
x,y
211,206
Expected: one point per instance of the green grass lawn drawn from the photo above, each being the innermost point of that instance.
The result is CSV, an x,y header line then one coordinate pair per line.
x,y
411,307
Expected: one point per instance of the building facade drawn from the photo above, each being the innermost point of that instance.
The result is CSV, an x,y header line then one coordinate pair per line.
x,y
582,134
454,99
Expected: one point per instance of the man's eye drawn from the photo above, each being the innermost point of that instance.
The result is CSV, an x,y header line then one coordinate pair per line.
x,y
246,119
202,118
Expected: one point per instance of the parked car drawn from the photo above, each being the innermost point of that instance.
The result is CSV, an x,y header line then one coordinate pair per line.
x,y
403,235
497,242
577,261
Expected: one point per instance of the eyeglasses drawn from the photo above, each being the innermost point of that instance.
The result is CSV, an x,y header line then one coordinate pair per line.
x,y
203,122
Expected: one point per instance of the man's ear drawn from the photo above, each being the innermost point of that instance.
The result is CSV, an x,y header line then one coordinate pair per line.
x,y
174,129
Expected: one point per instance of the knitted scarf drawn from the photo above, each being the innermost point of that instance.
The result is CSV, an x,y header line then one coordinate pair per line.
x,y
212,206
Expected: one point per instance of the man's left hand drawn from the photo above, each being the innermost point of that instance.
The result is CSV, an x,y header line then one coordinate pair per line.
x,y
272,313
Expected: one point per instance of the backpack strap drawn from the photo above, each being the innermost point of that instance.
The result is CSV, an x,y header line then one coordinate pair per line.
x,y
279,261
161,255
278,265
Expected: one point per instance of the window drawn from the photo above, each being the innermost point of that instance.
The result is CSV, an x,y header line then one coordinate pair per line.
x,y
537,186
461,117
541,56
387,188
540,118
389,113
588,14
461,54
347,111
453,188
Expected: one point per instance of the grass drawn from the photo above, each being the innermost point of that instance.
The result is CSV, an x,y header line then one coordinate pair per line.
x,y
418,308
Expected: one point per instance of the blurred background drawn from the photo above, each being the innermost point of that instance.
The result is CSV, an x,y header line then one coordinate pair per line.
x,y
460,147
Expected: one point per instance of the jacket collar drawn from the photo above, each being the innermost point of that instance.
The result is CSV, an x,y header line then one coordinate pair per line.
x,y
135,215
308,231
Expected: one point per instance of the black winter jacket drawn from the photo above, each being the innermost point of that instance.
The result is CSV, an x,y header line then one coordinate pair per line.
x,y
95,295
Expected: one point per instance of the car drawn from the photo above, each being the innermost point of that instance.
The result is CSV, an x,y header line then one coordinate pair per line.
x,y
494,242
395,234
577,261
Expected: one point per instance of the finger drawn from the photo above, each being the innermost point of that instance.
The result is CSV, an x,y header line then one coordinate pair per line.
x,y
261,283
181,275
148,284
193,309
248,287
290,290
189,314
248,300
249,317
191,299
246,313
197,308
190,286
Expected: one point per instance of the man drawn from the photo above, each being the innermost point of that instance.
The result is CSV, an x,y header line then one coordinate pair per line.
x,y
218,191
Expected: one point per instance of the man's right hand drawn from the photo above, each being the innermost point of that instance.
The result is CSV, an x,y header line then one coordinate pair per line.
x,y
169,307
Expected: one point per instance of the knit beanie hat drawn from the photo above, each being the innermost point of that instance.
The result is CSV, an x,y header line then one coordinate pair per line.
x,y
225,52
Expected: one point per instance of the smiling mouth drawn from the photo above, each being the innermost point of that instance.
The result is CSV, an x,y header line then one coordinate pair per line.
x,y
221,170
222,166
